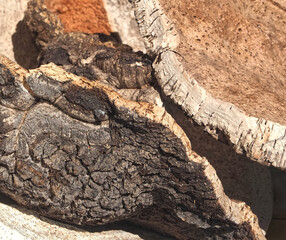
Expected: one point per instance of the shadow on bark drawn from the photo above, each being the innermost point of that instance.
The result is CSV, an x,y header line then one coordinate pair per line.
x,y
143,233
24,47
242,178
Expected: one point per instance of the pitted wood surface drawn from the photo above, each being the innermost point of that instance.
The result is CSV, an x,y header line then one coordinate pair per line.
x,y
236,51
262,140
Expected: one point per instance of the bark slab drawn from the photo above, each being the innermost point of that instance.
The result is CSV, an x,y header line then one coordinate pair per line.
x,y
110,61
75,150
262,140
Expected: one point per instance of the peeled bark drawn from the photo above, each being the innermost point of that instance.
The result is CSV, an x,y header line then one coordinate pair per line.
x,y
99,56
106,60
182,73
79,152
42,23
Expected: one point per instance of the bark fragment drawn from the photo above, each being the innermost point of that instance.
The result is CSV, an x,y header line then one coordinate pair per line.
x,y
254,187
42,23
99,56
84,54
83,154
262,140
78,133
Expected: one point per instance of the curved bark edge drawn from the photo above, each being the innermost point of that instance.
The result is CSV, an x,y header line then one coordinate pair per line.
x,y
225,210
261,140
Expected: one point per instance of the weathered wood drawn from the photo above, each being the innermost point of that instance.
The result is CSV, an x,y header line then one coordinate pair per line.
x,y
74,132
262,140
102,57
79,152
17,222
42,23
99,56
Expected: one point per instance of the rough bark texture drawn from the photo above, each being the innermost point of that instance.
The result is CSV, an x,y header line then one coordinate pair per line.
x,y
46,19
102,57
262,140
99,56
84,54
42,23
77,151
18,223
253,181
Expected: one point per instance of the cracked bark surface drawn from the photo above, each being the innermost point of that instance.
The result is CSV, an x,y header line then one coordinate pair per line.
x,y
42,23
75,150
17,222
262,140
97,55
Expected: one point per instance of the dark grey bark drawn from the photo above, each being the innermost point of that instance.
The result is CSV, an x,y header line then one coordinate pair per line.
x,y
77,150
42,24
80,153
99,56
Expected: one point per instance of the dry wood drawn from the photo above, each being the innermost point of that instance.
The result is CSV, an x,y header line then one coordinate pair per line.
x,y
97,55
262,140
77,151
